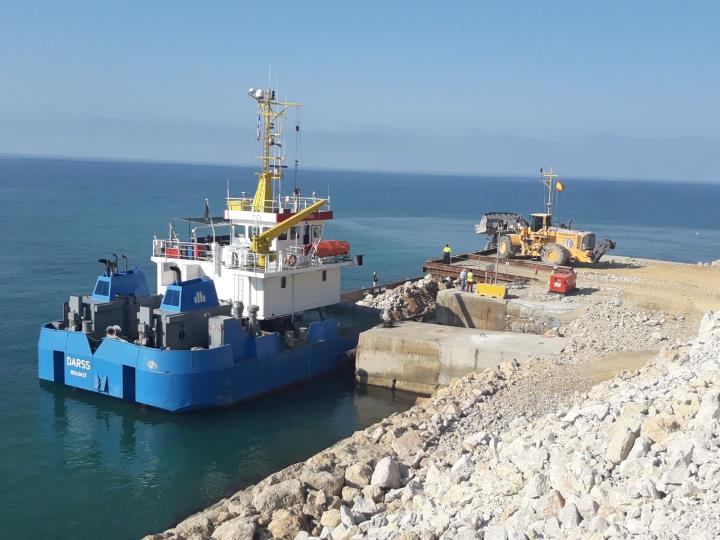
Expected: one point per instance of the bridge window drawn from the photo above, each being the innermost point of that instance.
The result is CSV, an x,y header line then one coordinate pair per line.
x,y
294,233
102,288
172,297
240,231
282,236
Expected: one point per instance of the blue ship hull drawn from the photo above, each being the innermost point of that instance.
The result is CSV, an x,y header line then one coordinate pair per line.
x,y
183,380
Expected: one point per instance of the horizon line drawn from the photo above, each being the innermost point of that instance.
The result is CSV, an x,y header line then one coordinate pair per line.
x,y
160,161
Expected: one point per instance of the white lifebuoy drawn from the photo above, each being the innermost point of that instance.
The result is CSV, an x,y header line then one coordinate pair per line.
x,y
291,260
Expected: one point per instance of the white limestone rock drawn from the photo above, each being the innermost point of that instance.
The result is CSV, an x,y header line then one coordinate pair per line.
x,y
330,518
463,467
495,532
620,445
361,505
286,524
330,483
408,446
476,440
358,475
434,474
386,474
709,325
280,495
346,517
709,408
537,486
238,528
550,504
677,473
586,506
196,524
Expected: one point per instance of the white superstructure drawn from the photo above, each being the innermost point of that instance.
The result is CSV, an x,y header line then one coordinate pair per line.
x,y
266,250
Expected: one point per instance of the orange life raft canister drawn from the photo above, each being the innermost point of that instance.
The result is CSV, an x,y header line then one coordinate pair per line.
x,y
332,248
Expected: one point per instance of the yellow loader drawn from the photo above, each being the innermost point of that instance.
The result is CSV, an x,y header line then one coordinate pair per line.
x,y
513,236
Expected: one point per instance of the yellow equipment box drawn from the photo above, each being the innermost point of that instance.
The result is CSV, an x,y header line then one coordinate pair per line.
x,y
493,291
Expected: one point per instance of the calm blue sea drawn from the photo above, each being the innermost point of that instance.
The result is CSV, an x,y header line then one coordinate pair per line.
x,y
79,466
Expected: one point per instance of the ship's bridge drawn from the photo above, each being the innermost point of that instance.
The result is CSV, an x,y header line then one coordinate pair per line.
x,y
268,249
299,269
241,209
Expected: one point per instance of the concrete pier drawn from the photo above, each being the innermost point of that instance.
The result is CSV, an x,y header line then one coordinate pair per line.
x,y
419,357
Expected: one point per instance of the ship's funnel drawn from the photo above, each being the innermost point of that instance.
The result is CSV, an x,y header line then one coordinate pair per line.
x,y
176,271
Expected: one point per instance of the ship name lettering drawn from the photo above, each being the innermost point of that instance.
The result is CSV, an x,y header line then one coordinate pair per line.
x,y
78,363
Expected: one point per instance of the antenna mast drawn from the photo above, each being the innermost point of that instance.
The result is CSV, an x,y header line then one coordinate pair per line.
x,y
271,114
549,179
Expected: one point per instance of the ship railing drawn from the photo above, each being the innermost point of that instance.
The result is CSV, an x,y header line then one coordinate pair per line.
x,y
175,249
290,258
279,204
241,257
299,257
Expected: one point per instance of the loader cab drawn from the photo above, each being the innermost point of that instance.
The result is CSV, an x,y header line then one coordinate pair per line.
x,y
540,221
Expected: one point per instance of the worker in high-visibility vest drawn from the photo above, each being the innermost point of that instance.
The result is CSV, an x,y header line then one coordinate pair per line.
x,y
446,254
470,281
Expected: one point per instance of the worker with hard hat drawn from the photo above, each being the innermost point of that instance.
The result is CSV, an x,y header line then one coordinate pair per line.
x,y
470,280
446,254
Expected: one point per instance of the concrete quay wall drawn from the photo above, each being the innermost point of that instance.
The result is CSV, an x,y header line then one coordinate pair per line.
x,y
456,308
420,357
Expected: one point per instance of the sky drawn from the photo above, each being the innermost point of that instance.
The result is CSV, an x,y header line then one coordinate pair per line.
x,y
602,89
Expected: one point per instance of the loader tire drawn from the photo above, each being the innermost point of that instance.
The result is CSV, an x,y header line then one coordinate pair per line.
x,y
504,248
554,254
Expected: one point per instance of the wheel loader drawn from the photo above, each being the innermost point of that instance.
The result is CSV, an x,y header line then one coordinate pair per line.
x,y
513,236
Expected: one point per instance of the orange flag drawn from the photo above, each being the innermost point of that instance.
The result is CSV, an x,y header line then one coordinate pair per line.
x,y
559,186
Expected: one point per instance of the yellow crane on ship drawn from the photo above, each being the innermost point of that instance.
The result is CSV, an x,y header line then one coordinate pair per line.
x,y
271,115
261,243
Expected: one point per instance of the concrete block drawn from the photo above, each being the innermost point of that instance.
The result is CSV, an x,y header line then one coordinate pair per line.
x,y
419,357
455,308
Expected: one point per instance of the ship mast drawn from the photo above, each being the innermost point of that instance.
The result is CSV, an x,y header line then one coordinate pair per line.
x,y
271,114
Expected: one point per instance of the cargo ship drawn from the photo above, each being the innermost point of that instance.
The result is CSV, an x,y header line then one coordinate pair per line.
x,y
241,303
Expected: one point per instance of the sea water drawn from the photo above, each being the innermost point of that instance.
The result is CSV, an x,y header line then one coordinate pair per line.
x,y
79,465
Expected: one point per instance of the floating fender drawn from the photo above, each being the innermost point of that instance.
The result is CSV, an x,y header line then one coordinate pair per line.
x,y
332,248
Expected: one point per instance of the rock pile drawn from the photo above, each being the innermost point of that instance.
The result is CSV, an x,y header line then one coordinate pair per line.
x,y
611,325
410,300
338,493
636,455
